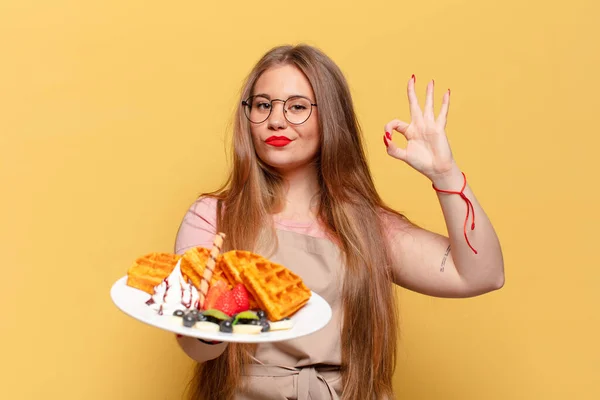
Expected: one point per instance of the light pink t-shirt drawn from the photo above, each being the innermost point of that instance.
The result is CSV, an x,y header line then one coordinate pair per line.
x,y
199,226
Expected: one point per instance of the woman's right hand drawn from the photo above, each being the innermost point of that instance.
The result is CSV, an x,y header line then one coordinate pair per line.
x,y
199,350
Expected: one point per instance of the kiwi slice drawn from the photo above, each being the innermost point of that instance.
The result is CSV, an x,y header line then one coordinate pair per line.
x,y
220,315
248,315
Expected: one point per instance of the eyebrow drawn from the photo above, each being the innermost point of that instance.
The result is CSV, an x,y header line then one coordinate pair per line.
x,y
269,97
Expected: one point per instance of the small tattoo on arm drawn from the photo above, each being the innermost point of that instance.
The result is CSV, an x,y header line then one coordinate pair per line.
x,y
444,259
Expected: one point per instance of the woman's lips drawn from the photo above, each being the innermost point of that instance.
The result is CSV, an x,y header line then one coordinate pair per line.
x,y
277,141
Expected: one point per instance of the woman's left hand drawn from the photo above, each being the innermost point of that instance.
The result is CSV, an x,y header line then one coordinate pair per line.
x,y
427,149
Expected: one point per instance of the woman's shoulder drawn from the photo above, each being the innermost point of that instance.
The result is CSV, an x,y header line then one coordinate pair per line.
x,y
198,226
205,206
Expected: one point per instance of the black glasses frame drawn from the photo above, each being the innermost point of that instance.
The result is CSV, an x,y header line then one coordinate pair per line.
x,y
246,103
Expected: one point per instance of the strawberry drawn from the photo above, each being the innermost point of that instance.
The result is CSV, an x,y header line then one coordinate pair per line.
x,y
241,296
226,303
214,292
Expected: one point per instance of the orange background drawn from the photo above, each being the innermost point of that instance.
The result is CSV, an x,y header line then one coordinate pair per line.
x,y
114,116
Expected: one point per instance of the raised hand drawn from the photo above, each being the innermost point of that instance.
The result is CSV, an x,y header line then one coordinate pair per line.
x,y
427,149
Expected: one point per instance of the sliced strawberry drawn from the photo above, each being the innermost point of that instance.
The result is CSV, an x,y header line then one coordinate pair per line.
x,y
226,303
214,292
241,296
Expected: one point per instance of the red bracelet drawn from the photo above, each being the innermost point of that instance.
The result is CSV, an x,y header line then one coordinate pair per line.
x,y
469,208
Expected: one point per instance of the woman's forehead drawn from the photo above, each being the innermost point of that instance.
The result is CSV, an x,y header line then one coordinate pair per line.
x,y
283,81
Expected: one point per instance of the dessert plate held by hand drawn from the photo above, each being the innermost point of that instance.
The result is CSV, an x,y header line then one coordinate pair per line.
x,y
312,317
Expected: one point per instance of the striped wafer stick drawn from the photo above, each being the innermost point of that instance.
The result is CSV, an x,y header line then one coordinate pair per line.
x,y
210,267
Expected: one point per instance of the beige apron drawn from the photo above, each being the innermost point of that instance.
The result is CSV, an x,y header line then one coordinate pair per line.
x,y
307,367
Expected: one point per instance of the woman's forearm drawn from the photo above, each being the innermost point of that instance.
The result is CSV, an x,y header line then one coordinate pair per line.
x,y
486,268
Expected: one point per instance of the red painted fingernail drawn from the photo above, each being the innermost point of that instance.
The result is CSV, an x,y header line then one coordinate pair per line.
x,y
389,135
414,78
385,142
448,91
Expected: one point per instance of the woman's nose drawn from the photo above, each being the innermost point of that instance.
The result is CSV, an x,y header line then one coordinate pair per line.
x,y
277,118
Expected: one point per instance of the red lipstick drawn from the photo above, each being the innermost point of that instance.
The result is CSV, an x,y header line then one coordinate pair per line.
x,y
277,141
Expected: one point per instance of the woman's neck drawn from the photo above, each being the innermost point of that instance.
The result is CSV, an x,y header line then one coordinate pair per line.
x,y
301,190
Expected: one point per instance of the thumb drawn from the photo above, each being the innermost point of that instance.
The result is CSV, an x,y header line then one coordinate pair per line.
x,y
393,150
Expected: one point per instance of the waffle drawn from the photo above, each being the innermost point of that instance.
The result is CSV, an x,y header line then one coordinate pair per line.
x,y
276,289
150,270
234,262
193,263
219,274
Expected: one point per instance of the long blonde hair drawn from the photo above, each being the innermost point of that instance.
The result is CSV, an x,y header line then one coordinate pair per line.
x,y
350,210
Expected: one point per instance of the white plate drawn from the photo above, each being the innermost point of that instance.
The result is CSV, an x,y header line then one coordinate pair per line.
x,y
309,319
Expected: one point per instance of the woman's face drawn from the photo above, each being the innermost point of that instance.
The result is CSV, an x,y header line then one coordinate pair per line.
x,y
279,143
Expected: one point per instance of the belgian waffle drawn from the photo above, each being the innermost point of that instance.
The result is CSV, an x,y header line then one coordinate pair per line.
x,y
234,262
150,270
276,289
193,263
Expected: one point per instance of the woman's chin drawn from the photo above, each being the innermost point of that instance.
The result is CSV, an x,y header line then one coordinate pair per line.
x,y
286,165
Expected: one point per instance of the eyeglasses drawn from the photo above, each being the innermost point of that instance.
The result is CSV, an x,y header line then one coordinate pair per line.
x,y
296,109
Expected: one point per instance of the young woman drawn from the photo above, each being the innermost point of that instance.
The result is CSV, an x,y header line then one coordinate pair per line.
x,y
301,194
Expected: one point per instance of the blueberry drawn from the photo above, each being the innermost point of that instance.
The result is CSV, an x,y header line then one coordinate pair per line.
x,y
178,313
265,326
226,326
189,320
194,312
261,314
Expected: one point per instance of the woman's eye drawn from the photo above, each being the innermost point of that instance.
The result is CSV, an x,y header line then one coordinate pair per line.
x,y
263,106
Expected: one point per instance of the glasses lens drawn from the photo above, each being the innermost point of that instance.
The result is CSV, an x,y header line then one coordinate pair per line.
x,y
297,109
257,109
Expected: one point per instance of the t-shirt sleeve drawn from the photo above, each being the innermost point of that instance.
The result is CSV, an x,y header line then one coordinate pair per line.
x,y
199,226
